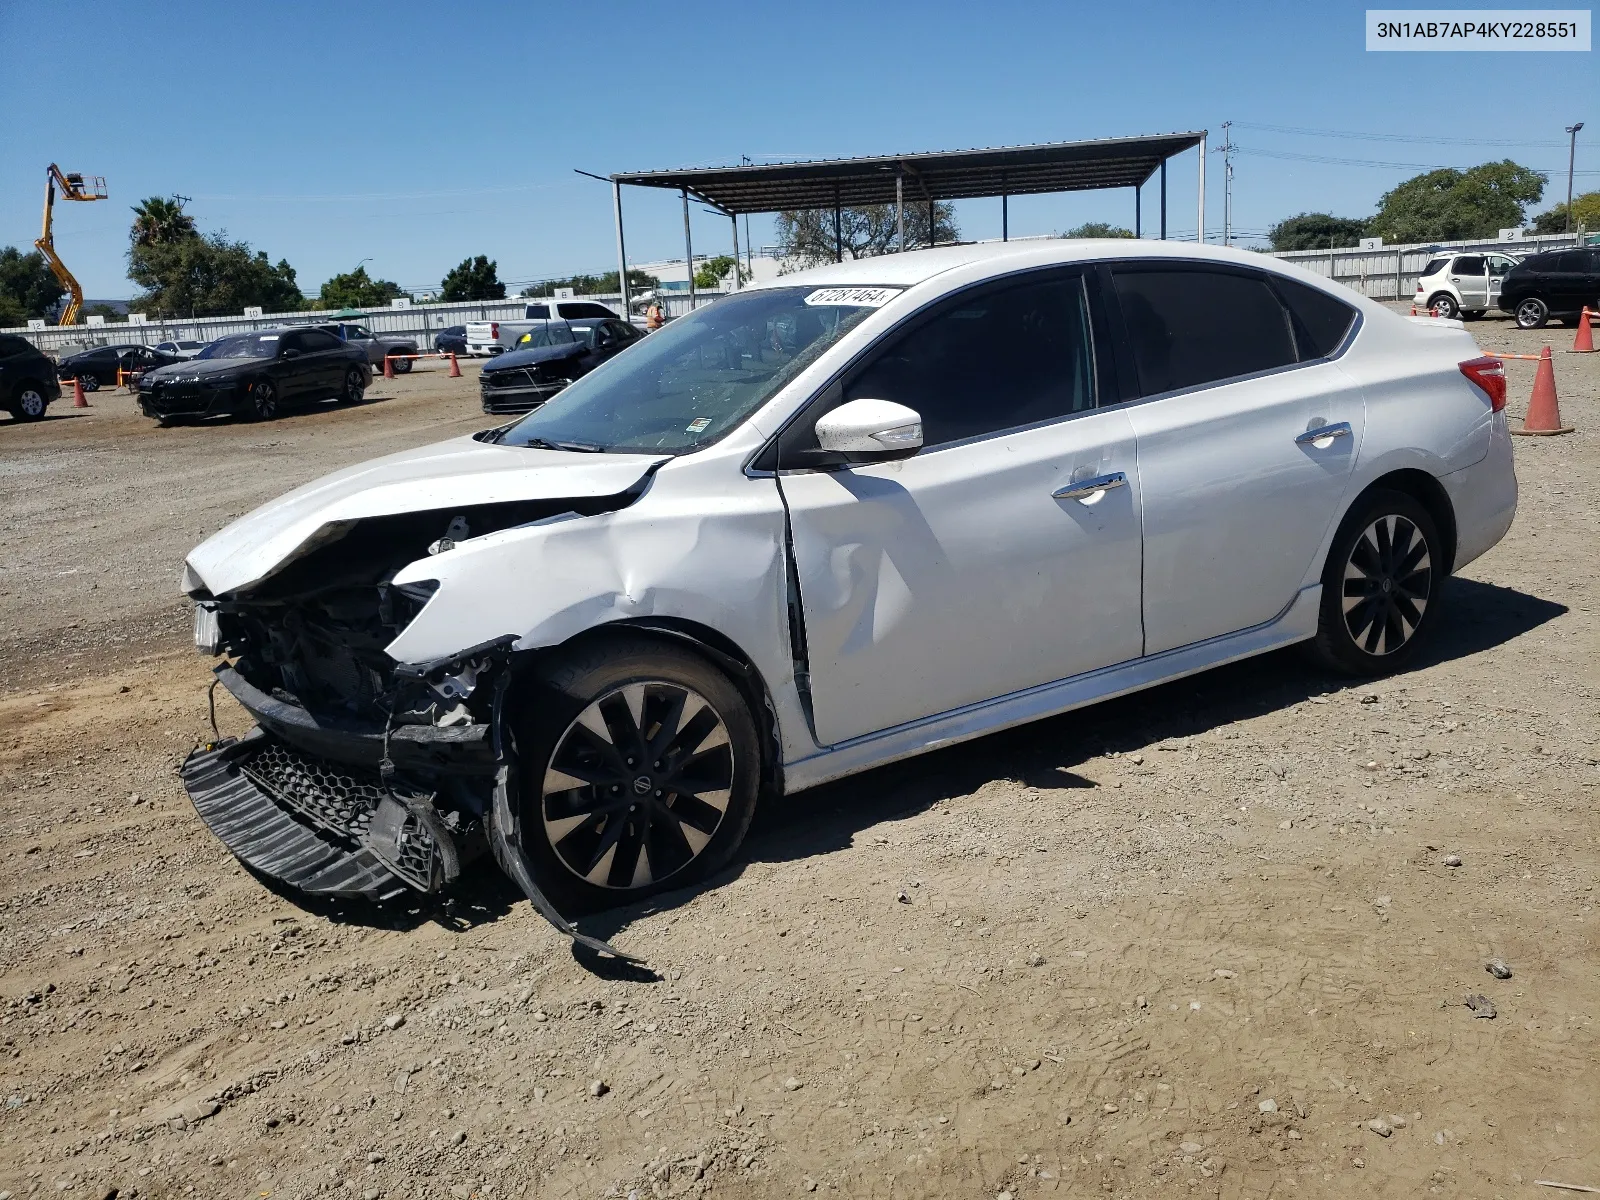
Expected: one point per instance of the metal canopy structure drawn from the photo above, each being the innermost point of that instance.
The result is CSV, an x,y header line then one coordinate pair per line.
x,y
949,175
923,178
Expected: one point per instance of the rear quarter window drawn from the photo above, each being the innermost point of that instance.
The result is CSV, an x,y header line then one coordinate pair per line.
x,y
1435,265
1320,321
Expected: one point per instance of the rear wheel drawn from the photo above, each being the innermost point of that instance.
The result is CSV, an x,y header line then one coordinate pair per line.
x,y
641,766
29,404
1532,313
263,400
1444,305
401,365
1380,587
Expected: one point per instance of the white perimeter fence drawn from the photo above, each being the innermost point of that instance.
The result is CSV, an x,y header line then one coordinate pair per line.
x,y
1388,273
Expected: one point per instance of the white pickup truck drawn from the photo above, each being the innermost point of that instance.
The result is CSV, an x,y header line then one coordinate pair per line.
x,y
496,337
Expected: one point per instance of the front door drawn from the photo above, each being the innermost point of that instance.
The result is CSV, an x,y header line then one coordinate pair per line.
x,y
1006,553
1470,274
1499,267
1246,441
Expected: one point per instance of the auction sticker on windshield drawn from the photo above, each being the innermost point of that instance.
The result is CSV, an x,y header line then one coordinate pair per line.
x,y
854,297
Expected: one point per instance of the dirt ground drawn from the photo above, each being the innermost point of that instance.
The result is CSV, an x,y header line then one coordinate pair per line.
x,y
1189,943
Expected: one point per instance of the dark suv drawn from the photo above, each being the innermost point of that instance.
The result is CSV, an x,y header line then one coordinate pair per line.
x,y
27,378
1555,284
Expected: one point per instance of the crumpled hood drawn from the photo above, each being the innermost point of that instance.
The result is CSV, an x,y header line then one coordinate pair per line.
x,y
512,359
201,368
454,474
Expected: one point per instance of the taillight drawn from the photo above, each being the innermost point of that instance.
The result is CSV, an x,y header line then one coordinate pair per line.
x,y
494,331
1490,375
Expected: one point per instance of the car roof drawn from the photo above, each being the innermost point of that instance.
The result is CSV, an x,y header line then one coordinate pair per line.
x,y
919,266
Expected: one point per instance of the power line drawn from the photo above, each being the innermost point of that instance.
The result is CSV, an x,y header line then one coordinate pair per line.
x,y
1367,162
1416,139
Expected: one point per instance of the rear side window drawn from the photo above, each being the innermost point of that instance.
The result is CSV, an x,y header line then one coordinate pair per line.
x,y
585,309
998,359
1320,321
1196,326
1570,260
10,346
537,312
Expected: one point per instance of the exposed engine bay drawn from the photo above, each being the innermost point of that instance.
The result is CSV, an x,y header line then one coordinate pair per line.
x,y
364,776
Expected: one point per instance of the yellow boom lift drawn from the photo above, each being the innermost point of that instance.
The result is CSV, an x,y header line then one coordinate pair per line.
x,y
73,187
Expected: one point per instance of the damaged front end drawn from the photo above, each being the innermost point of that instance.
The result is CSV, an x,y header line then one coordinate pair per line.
x,y
363,777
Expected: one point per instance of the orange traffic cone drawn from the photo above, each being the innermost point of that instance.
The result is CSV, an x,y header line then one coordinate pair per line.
x,y
455,367
1544,414
77,394
1584,342
388,367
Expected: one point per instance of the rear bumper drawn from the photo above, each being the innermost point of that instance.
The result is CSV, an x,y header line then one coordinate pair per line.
x,y
1483,496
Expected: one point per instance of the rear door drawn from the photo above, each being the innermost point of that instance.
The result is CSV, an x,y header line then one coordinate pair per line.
x,y
1247,433
1470,274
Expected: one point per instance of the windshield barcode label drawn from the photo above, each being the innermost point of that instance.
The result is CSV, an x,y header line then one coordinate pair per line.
x,y
854,297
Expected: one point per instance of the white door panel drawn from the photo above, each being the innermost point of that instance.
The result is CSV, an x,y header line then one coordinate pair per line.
x,y
957,575
1234,506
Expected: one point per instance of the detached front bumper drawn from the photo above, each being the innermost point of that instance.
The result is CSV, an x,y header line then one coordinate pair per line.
x,y
302,799
518,395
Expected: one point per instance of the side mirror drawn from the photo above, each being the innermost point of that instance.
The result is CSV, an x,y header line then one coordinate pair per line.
x,y
876,429
291,352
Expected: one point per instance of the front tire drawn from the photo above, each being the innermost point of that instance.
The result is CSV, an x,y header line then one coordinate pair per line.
x,y
640,770
355,386
263,400
1380,587
91,383
1532,313
29,404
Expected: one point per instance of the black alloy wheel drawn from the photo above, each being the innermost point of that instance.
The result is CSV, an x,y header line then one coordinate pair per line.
x,y
640,770
1444,305
90,381
1380,588
263,400
30,403
355,386
1532,313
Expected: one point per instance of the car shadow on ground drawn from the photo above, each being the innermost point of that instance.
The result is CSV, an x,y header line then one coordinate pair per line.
x,y
1476,617
50,414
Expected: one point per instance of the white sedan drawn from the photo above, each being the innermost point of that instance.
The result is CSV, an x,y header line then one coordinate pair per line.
x,y
823,524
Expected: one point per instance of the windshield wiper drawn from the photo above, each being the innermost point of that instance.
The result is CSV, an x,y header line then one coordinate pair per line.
x,y
539,443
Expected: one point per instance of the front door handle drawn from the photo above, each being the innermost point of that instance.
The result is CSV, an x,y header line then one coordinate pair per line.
x,y
1324,433
1085,488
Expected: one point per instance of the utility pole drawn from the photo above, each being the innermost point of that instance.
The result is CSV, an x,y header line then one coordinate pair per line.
x,y
1226,150
749,254
1572,150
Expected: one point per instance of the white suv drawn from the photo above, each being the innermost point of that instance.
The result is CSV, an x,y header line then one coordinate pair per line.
x,y
831,521
1462,285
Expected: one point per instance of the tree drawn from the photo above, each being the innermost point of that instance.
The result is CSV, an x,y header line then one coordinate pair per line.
x,y
158,220
475,279
805,238
594,285
1450,205
1585,212
28,289
1098,229
356,289
1316,231
714,270
210,276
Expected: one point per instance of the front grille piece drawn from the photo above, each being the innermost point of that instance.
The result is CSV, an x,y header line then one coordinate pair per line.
x,y
333,797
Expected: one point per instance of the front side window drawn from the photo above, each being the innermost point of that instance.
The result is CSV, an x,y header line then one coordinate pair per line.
x,y
701,376
994,359
244,345
316,339
1571,260
1192,326
1500,266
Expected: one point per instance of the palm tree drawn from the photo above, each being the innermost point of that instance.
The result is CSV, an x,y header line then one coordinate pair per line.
x,y
158,220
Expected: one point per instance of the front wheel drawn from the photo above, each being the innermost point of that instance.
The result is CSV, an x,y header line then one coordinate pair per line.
x,y
30,404
91,383
355,386
641,766
1532,313
1380,587
263,400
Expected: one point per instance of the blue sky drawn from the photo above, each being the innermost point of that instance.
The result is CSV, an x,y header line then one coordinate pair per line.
x,y
418,134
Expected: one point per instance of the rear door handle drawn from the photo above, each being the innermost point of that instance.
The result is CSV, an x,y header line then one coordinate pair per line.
x,y
1324,433
1085,488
